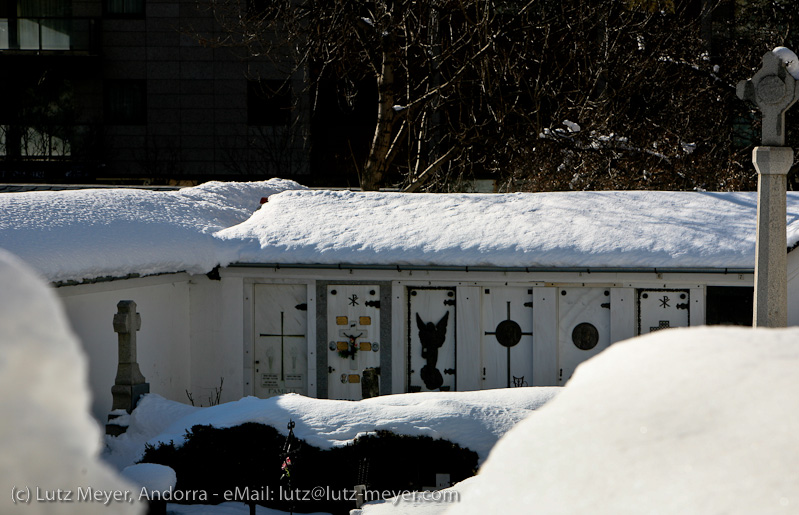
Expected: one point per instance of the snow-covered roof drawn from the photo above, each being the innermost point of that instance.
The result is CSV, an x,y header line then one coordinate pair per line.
x,y
91,233
607,229
87,234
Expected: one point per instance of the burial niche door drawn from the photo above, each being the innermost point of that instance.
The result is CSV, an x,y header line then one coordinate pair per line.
x,y
353,333
280,354
507,337
662,309
431,339
583,327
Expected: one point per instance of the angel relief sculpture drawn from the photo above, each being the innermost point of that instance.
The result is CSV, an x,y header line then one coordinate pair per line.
x,y
432,337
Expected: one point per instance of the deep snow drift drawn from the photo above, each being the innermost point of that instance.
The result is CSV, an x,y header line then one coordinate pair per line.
x,y
48,440
699,420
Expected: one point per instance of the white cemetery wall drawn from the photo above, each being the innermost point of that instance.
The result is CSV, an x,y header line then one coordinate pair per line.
x,y
162,342
217,336
613,297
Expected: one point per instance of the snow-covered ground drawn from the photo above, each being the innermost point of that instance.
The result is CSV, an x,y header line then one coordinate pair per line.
x,y
471,419
86,234
682,421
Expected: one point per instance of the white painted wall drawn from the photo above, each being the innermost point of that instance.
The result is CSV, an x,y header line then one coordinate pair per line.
x,y
162,342
217,338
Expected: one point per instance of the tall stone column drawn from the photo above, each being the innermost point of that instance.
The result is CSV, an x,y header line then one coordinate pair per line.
x,y
129,384
773,90
771,254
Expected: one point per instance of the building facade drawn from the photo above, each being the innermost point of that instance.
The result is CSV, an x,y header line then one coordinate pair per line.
x,y
126,90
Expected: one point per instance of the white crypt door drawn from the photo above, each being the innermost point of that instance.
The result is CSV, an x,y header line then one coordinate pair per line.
x,y
663,308
507,337
583,327
280,357
431,339
353,331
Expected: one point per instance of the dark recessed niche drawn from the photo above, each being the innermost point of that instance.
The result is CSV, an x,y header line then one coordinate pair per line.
x,y
729,305
585,336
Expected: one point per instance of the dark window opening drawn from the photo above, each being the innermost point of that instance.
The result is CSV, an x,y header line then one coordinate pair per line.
x,y
126,102
729,305
268,102
124,8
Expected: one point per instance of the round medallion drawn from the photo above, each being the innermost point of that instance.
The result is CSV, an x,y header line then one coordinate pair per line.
x,y
585,336
508,333
771,89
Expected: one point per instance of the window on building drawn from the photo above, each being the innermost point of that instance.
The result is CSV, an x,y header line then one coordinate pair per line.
x,y
269,102
126,102
124,8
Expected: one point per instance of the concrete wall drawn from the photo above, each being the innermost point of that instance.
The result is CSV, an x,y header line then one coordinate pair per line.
x,y
162,344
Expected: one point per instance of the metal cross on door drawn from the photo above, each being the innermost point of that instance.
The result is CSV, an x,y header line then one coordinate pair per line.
x,y
662,309
353,333
431,339
583,327
280,354
507,337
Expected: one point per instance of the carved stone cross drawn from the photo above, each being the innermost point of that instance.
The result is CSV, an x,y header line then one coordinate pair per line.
x,y
129,384
126,323
773,90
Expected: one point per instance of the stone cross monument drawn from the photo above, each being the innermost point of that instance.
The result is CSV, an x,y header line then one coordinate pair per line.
x,y
130,384
773,90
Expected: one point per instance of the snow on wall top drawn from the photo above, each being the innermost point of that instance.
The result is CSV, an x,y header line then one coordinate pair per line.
x,y
85,234
568,229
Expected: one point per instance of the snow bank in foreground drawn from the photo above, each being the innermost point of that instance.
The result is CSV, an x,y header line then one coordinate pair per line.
x,y
85,234
471,419
680,421
48,440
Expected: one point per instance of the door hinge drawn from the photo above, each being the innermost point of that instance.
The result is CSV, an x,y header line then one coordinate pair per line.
x,y
302,307
682,306
449,302
372,304
450,371
605,305
528,304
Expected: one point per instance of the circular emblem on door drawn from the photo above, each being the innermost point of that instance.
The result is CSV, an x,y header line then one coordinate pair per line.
x,y
585,336
508,333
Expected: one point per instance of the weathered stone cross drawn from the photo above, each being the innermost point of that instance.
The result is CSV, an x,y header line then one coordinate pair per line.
x,y
773,90
129,384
